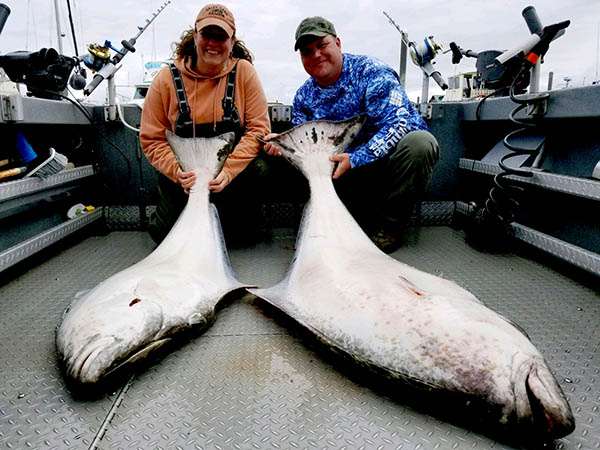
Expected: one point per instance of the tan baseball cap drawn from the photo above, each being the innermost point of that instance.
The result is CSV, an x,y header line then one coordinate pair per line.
x,y
218,15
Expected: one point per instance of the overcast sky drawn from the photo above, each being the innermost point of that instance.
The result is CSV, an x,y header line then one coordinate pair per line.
x,y
267,28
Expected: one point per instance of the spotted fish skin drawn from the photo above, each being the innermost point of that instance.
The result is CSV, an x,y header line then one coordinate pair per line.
x,y
176,287
409,324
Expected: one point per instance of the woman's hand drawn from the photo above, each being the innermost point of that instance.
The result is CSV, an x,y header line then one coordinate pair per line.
x,y
219,182
271,148
186,179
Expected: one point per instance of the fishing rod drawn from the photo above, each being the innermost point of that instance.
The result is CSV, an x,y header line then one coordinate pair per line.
x,y
403,34
99,59
422,54
403,49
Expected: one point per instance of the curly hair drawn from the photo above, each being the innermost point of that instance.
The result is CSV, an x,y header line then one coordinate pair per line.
x,y
186,47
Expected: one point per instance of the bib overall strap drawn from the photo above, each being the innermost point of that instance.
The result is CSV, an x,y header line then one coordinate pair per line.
x,y
184,119
230,112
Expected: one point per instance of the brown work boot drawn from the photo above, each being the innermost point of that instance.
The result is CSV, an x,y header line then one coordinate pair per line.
x,y
386,240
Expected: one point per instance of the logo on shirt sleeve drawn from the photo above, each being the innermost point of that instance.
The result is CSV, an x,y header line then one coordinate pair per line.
x,y
396,98
381,145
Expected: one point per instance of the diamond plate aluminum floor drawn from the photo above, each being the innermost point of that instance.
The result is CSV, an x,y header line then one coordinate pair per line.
x,y
251,382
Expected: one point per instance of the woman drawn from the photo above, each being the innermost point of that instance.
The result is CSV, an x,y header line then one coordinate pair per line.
x,y
209,61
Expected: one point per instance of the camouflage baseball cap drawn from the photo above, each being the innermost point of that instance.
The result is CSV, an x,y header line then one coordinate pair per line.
x,y
314,26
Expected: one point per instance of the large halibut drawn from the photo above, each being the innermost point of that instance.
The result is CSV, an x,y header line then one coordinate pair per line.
x,y
174,288
413,326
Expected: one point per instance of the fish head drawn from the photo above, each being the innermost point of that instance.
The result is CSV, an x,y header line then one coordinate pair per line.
x,y
540,403
95,337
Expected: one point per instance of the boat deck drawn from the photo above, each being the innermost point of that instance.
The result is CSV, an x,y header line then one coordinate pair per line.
x,y
251,381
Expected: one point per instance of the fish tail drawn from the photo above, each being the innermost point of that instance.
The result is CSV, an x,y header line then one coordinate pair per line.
x,y
201,153
317,137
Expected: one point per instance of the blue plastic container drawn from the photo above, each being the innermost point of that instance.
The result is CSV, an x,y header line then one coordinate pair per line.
x,y
25,150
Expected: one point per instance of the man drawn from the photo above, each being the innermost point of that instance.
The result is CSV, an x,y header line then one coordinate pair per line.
x,y
388,166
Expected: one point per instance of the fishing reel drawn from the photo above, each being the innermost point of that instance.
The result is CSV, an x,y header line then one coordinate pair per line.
x,y
97,58
100,61
422,54
501,70
425,51
99,55
490,74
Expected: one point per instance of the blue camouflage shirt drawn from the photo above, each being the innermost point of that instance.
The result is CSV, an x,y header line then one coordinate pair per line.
x,y
365,86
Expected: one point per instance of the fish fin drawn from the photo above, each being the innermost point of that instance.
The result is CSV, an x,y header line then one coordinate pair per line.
x,y
516,325
80,294
193,153
319,136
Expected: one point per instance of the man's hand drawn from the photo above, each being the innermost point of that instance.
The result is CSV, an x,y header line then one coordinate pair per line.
x,y
343,164
271,148
219,182
186,179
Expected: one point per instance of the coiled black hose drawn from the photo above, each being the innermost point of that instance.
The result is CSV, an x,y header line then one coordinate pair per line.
x,y
503,200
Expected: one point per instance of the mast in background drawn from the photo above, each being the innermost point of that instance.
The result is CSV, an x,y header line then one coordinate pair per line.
x,y
59,34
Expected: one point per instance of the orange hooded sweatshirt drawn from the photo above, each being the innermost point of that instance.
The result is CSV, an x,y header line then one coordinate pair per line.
x,y
204,96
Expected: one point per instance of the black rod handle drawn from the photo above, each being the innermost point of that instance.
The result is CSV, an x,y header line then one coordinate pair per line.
x,y
533,21
4,13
